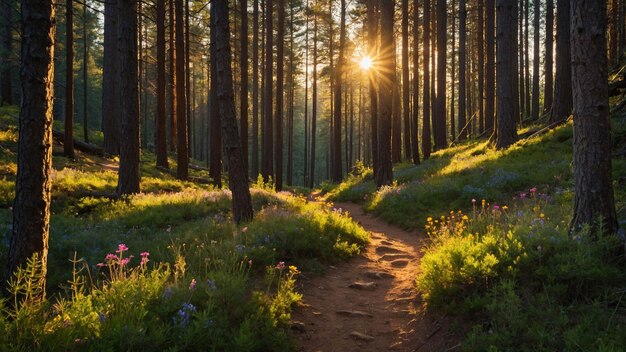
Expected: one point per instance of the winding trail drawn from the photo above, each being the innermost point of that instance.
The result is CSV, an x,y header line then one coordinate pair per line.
x,y
370,303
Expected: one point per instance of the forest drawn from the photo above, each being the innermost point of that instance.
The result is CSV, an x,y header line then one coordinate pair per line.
x,y
312,175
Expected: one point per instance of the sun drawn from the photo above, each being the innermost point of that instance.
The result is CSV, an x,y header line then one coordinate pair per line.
x,y
365,63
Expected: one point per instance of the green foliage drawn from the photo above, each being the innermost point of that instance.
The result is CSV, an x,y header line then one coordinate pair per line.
x,y
528,283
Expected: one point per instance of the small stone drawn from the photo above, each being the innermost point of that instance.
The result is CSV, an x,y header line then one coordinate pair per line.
x,y
400,263
363,285
379,275
394,256
387,249
360,336
297,325
353,313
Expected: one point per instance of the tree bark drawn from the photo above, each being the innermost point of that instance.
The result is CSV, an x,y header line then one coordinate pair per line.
x,y
507,100
160,142
290,102
406,84
314,104
173,81
481,67
372,27
338,85
129,177
426,136
490,65
215,163
68,146
462,65
416,86
182,169
594,203
243,99
440,111
255,89
267,159
31,208
562,105
238,176
549,61
280,84
535,95
388,71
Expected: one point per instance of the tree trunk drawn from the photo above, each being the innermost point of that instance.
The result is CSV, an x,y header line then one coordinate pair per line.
x,y
129,177
490,65
290,102
6,48
243,99
85,75
188,75
372,27
535,95
280,83
440,111
527,103
338,74
507,99
255,89
215,163
110,84
160,142
68,146
416,86
388,72
182,169
173,80
481,68
594,203
462,65
238,176
305,171
267,159
406,84
613,57
549,62
426,137
31,208
562,105
314,104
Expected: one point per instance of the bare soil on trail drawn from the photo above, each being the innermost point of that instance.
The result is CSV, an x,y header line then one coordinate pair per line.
x,y
370,302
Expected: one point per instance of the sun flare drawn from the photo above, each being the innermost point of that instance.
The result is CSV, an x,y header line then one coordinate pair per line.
x,y
365,63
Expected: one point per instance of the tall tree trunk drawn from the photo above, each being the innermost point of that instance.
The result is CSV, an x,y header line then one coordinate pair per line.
x,y
238,176
507,100
481,68
314,102
305,171
255,89
416,85
440,111
290,102
462,65
372,27
267,159
243,99
31,208
280,83
188,75
68,145
173,81
549,62
338,74
85,75
522,52
593,195
388,72
182,170
426,136
613,30
526,59
6,48
215,162
562,105
535,95
129,177
406,83
161,142
110,84
490,65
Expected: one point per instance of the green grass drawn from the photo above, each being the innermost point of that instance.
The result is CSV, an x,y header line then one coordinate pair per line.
x,y
240,299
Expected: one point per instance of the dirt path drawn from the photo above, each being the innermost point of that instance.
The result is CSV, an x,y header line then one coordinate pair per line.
x,y
370,303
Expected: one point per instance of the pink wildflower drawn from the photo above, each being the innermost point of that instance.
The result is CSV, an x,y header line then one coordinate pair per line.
x,y
280,266
121,248
533,190
100,265
192,284
125,261
110,257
